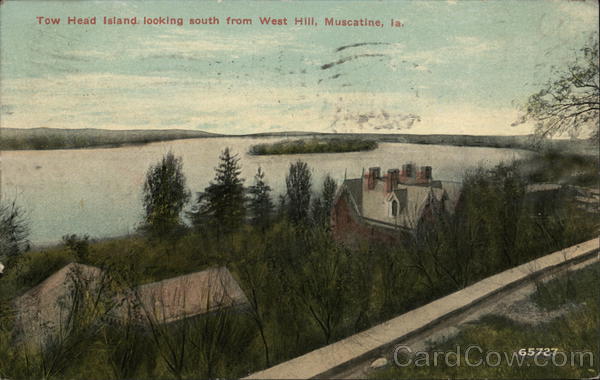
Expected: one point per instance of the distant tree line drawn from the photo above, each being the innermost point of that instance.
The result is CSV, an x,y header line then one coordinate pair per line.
x,y
314,145
57,138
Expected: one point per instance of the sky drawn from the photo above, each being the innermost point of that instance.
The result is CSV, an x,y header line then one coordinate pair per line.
x,y
455,67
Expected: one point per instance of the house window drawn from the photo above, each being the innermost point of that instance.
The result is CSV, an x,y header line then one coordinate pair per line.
x,y
394,208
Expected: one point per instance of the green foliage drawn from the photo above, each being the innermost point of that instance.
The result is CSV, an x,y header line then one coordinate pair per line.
x,y
575,331
80,246
574,287
322,205
498,224
315,145
260,204
570,102
165,195
304,289
33,268
14,231
128,347
222,205
329,192
59,138
325,288
298,185
555,166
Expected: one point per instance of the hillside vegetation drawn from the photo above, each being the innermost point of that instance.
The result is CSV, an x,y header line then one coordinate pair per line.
x,y
575,331
314,145
53,138
50,138
305,289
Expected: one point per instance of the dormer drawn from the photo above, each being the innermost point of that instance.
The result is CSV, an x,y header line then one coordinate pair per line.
x,y
396,202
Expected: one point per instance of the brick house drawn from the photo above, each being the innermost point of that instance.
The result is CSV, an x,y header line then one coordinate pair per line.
x,y
390,206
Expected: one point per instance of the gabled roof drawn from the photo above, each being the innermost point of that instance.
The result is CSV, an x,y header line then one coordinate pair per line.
x,y
417,197
354,189
39,309
413,199
188,295
401,196
452,192
40,312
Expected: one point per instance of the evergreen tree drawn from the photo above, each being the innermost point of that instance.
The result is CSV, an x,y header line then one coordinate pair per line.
x,y
322,205
329,191
298,183
165,195
317,211
221,206
261,205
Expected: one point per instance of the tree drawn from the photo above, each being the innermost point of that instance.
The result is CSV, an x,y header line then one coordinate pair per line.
x,y
254,271
261,206
322,205
329,191
570,102
14,231
80,246
165,195
298,183
221,206
317,211
326,284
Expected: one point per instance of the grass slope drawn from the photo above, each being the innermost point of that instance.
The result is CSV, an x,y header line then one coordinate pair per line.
x,y
574,332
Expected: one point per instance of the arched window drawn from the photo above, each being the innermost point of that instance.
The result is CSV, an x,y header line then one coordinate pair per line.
x,y
394,208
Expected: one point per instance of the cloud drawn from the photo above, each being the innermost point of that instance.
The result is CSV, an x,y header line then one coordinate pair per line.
x,y
471,46
577,16
88,101
373,121
461,48
230,105
200,45
92,54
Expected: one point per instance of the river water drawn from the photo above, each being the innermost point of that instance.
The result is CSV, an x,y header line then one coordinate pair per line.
x,y
99,191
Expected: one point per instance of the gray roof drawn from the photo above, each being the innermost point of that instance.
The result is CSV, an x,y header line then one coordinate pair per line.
x,y
354,188
44,308
188,295
413,200
452,191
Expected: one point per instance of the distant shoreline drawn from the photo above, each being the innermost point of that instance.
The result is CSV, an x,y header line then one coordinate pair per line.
x,y
314,145
54,138
12,139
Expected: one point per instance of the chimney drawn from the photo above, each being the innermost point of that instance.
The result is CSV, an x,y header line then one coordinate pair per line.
x,y
372,176
428,173
408,170
424,174
392,179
